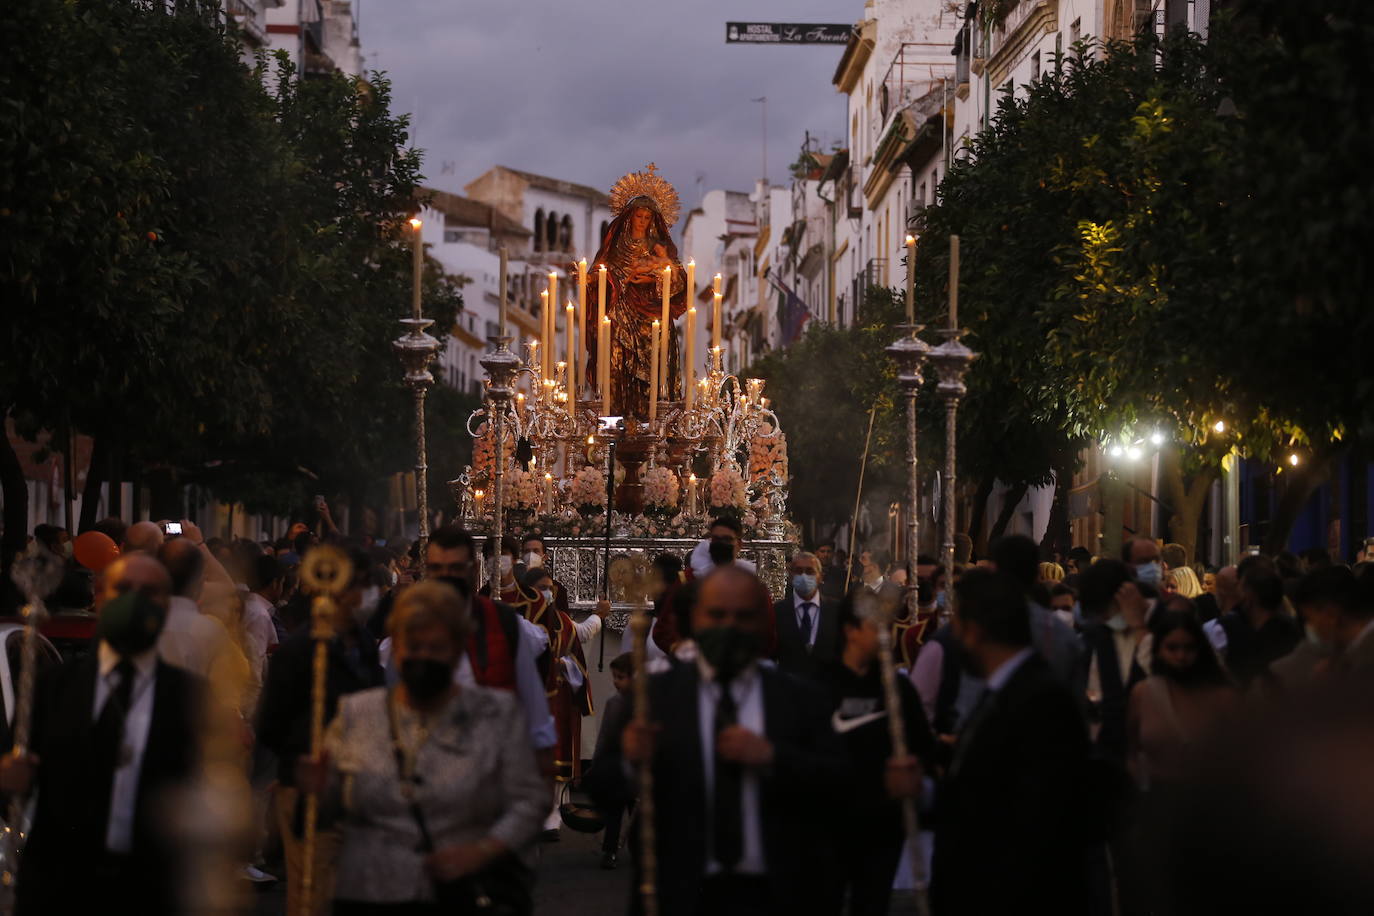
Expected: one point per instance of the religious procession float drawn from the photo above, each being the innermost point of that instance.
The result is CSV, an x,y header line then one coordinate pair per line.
x,y
614,441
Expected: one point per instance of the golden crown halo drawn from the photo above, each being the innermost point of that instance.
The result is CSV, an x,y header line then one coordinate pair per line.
x,y
650,184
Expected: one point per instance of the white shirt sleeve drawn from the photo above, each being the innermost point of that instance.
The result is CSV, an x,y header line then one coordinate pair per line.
x,y
533,637
529,687
587,628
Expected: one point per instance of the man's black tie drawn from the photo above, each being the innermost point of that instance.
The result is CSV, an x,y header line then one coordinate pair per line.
x,y
729,800
109,733
807,609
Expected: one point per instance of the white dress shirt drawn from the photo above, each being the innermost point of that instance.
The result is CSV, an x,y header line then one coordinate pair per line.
x,y
119,832
815,602
585,631
259,632
998,679
747,689
190,639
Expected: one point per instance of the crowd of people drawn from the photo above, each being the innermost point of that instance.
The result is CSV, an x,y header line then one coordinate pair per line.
x,y
1079,735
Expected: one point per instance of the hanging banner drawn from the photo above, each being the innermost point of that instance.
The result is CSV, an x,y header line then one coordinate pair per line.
x,y
787,33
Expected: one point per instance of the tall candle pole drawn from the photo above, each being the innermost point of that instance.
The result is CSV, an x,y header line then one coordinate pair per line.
x,y
951,360
716,284
653,376
911,279
501,320
416,350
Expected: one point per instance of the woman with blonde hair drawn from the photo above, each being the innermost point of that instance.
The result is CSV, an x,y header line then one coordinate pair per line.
x,y
435,785
1051,572
1185,582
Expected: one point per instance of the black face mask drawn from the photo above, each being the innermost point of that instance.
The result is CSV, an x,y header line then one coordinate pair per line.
x,y
426,678
460,584
130,623
722,552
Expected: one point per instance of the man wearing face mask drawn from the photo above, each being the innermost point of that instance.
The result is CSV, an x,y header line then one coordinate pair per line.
x,y
534,555
1143,556
113,734
808,625
283,725
724,539
743,757
1009,826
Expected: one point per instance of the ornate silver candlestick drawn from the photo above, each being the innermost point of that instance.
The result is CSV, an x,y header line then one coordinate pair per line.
x,y
502,367
951,360
909,352
416,351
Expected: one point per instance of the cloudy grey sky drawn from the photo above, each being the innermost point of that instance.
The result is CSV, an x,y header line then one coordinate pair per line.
x,y
587,90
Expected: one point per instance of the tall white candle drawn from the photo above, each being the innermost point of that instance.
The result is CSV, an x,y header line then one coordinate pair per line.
x,y
572,353
665,328
953,282
715,320
416,266
579,359
544,333
653,376
716,284
604,365
691,281
689,383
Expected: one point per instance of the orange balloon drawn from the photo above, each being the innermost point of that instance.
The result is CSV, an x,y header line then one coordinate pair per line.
x,y
94,550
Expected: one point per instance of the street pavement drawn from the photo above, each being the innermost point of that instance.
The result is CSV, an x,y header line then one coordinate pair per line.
x,y
570,883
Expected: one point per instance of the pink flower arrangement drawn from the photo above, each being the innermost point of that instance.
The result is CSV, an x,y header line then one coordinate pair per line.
x,y
726,489
520,489
660,488
768,454
587,489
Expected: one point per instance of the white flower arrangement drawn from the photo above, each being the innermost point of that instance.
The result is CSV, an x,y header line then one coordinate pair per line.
x,y
726,490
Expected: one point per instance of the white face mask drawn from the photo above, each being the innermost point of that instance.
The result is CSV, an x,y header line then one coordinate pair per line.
x,y
506,563
548,596
533,560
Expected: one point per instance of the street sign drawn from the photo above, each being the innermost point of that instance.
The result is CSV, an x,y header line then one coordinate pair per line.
x,y
787,33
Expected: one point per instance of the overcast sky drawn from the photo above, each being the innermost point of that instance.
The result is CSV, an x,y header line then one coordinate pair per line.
x,y
587,90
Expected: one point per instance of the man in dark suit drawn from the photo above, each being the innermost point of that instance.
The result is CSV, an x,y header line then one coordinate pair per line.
x,y
1010,827
114,735
808,624
743,760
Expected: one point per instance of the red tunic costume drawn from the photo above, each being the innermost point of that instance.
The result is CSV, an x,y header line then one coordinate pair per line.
x,y
566,704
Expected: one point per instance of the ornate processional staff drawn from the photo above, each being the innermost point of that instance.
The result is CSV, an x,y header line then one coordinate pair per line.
x,y
327,572
648,856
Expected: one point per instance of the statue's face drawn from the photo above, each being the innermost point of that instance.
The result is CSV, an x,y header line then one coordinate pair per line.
x,y
639,221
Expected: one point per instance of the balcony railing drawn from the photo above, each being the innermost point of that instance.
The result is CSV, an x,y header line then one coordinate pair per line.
x,y
916,69
869,277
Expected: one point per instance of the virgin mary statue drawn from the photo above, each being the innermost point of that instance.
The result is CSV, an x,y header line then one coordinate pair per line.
x,y
635,251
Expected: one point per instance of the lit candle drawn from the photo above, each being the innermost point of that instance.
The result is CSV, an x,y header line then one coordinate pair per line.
x,y
716,283
544,332
553,318
665,328
501,321
548,493
604,364
715,319
480,495
417,266
689,386
911,279
953,282
653,376
572,352
691,280
692,494
578,361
